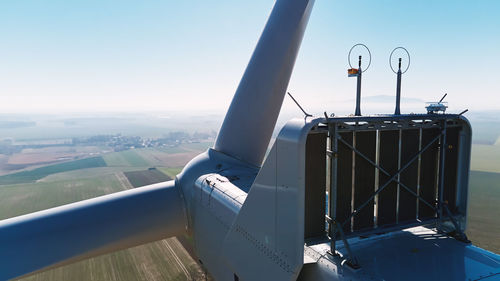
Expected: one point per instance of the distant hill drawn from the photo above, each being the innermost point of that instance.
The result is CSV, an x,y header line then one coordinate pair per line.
x,y
391,99
16,124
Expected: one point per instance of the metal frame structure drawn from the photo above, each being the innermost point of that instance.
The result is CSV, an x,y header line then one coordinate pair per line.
x,y
333,127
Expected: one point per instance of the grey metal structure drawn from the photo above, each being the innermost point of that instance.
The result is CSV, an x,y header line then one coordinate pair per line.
x,y
271,220
397,111
386,138
399,73
358,74
358,89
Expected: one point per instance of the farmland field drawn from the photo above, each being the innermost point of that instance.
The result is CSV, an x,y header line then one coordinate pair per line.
x,y
128,158
177,156
171,172
30,156
484,215
86,173
20,199
485,158
38,173
146,177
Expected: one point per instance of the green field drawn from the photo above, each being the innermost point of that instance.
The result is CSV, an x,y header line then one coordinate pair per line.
x,y
38,173
165,157
484,196
128,158
485,158
146,177
197,146
86,173
171,149
484,214
171,172
20,199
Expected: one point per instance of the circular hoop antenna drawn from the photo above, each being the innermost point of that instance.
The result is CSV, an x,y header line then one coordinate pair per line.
x,y
369,54
390,59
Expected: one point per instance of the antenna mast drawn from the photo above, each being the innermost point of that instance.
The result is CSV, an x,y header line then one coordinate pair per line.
x,y
399,74
358,90
398,91
357,72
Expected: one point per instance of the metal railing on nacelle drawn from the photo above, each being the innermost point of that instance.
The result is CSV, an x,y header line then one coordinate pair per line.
x,y
386,173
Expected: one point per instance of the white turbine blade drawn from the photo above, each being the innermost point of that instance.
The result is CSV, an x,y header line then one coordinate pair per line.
x,y
250,120
89,228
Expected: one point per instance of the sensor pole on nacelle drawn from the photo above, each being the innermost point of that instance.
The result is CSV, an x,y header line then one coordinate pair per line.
x,y
358,90
399,74
398,91
356,72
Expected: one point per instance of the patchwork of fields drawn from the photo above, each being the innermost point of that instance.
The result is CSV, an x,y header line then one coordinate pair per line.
x,y
63,183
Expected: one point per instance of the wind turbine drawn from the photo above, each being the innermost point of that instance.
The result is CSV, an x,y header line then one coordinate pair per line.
x,y
250,220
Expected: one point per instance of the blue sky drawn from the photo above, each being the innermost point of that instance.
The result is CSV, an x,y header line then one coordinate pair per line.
x,y
109,56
